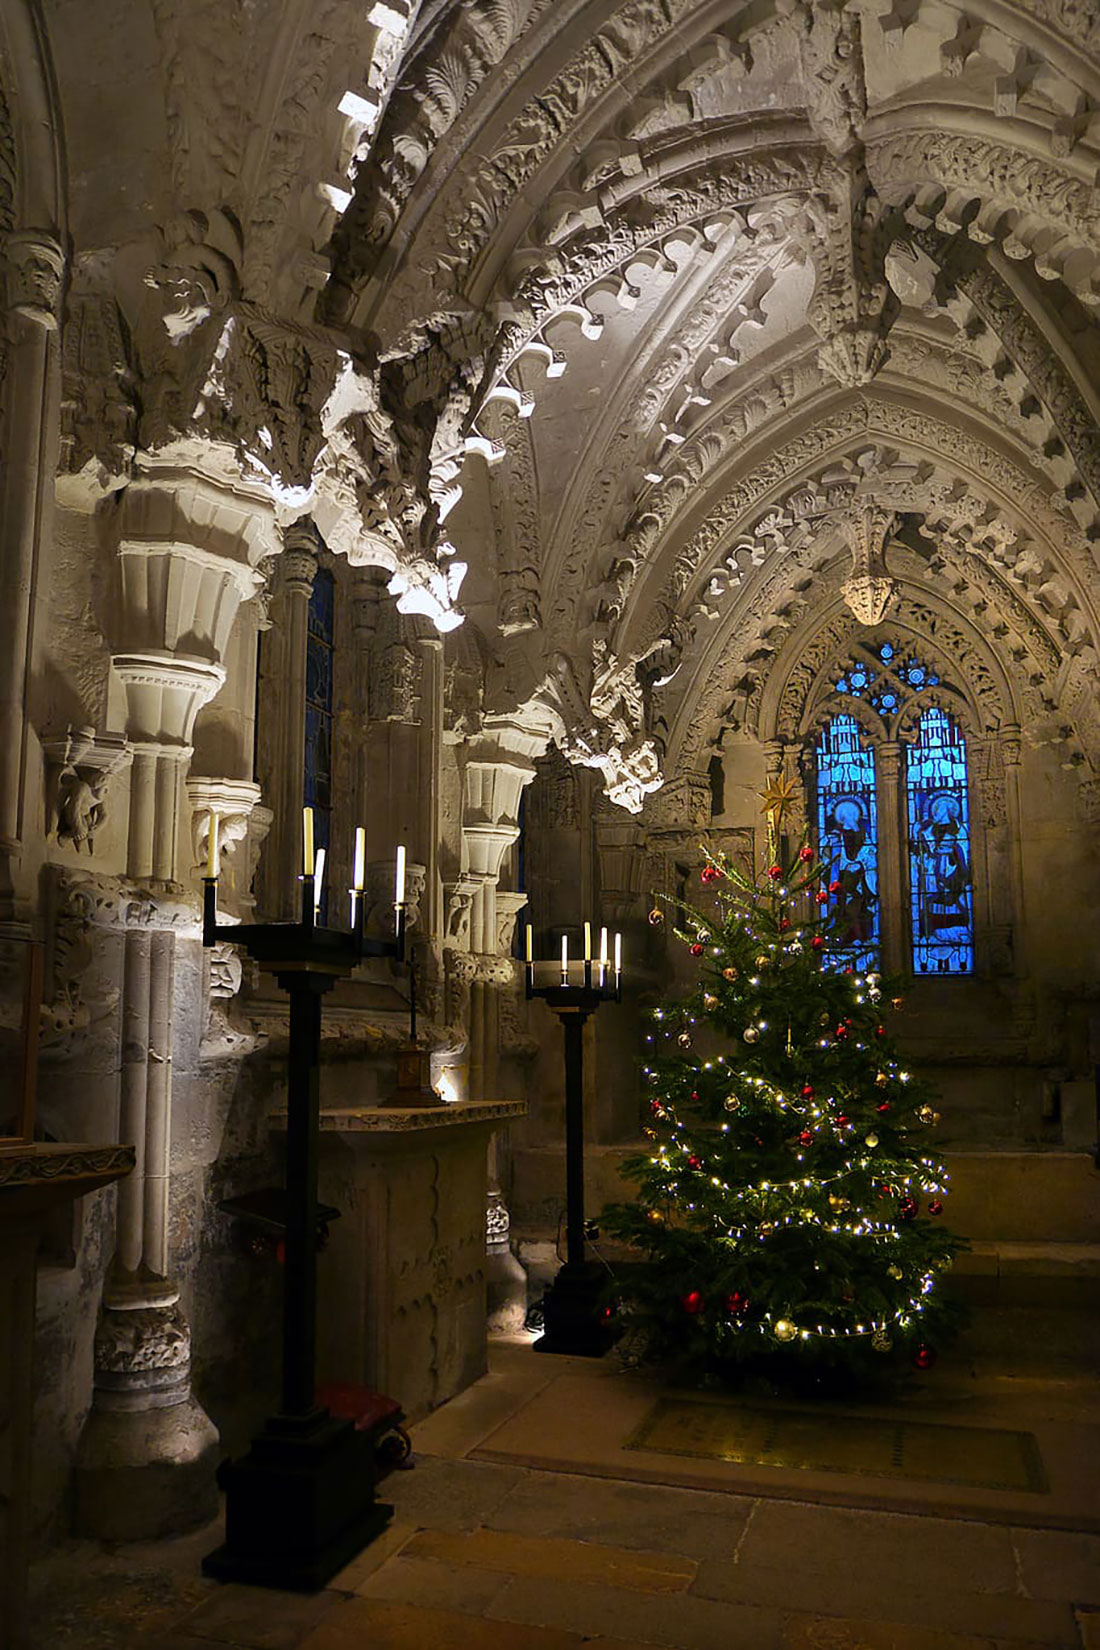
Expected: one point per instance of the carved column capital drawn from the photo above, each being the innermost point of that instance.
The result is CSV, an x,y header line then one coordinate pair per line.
x,y
869,591
299,558
36,271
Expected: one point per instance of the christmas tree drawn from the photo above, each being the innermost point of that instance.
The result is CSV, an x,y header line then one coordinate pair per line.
x,y
788,1212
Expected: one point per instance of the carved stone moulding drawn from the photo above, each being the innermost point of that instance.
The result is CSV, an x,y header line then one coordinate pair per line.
x,y
227,805
509,904
178,592
164,694
35,270
79,768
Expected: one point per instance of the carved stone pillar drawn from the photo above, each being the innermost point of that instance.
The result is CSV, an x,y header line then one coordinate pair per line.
x,y
34,267
891,872
282,713
189,544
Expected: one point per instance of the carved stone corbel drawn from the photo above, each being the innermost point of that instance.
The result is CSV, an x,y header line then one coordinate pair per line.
x,y
79,769
869,590
227,805
36,269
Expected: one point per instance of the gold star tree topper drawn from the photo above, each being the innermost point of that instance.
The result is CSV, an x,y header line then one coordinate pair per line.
x,y
778,798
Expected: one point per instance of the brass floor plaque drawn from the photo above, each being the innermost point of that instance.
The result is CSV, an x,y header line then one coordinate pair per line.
x,y
815,1441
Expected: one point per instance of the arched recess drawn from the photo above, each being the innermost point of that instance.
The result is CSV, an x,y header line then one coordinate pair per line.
x,y
924,654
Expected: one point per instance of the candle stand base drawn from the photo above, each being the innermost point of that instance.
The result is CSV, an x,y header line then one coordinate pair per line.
x,y
299,1505
579,1318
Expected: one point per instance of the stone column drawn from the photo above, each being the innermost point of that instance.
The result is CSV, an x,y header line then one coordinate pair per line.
x,y
35,267
282,715
189,544
1010,751
892,877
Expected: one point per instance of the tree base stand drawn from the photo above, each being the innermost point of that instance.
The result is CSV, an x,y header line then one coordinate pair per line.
x,y
299,1505
577,1317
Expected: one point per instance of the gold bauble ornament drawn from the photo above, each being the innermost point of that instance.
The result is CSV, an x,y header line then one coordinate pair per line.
x,y
880,1341
925,1113
751,1035
837,1201
684,1039
893,1272
732,1103
935,1118
655,1216
785,1330
763,960
710,1001
656,916
766,1228
729,973
896,1002
872,1139
649,1134
881,1079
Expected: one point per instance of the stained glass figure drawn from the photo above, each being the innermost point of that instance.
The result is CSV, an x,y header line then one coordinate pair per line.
x,y
848,838
941,888
320,633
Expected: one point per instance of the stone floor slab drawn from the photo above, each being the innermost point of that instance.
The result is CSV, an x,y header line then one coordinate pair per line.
x,y
695,1523
379,1624
450,1495
384,1547
904,1602
914,1551
1059,1564
429,1581
679,1622
1088,1625
565,1561
820,1633
259,1618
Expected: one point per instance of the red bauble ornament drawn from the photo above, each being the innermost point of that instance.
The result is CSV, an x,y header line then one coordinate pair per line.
x,y
805,1138
806,854
656,1108
880,1031
807,1091
692,1303
821,897
935,1207
842,1121
709,873
885,1106
841,1031
907,1208
775,872
784,924
818,943
693,1163
695,1094
697,949
834,887
924,1357
737,1302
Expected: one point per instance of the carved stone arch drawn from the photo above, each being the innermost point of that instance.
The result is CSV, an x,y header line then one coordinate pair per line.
x,y
975,686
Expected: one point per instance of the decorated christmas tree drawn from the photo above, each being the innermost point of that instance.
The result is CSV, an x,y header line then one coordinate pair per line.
x,y
788,1215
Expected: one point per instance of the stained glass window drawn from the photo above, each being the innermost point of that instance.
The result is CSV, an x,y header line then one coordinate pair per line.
x,y
318,753
848,838
940,887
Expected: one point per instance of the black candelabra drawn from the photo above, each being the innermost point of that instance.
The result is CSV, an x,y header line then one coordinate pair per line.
x,y
301,1502
578,1317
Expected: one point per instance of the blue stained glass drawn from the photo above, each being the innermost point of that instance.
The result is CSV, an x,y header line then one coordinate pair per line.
x,y
940,885
318,729
848,839
886,652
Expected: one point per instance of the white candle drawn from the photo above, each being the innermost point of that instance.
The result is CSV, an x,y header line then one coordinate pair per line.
x,y
307,842
358,874
212,846
603,947
399,881
564,959
618,953
530,954
588,942
318,879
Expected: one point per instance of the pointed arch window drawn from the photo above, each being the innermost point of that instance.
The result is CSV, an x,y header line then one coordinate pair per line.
x,y
941,899
915,799
848,837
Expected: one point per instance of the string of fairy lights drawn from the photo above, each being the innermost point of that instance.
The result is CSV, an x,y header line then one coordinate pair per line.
x,y
763,1195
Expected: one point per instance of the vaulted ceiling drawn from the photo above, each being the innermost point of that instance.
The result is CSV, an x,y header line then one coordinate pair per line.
x,y
673,320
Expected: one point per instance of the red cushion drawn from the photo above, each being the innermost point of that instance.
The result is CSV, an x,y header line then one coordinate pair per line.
x,y
360,1404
